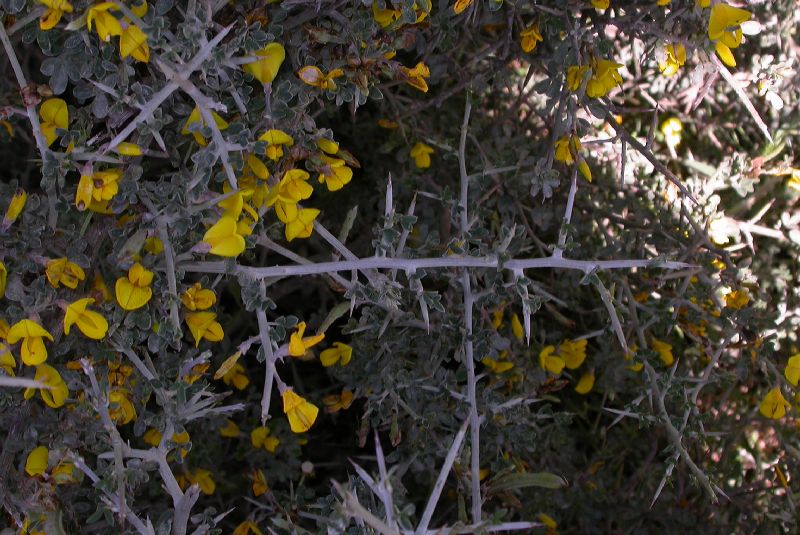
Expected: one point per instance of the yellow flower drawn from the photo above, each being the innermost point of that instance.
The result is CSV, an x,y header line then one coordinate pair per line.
x,y
52,15
416,76
601,4
552,363
497,366
302,225
120,407
341,353
230,429
204,325
133,42
672,129
259,438
335,174
128,149
774,404
198,298
387,124
224,238
270,59
196,118
792,370
62,271
385,17
118,373
575,76
105,23
36,463
100,289
573,353
298,345
248,526
181,438
152,437
54,114
674,60
549,523
260,487
530,37
134,290
737,299
516,327
336,402
7,362
32,335
236,377
328,146
3,279
292,188
724,30
97,187
664,351
703,3
585,383
203,479
92,324
276,140
64,473
15,207
154,245
497,319
605,77
422,155
461,5
663,2
567,148
56,395
301,413
313,76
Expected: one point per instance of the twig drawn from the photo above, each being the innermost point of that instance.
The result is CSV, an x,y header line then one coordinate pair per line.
x,y
562,234
748,104
269,360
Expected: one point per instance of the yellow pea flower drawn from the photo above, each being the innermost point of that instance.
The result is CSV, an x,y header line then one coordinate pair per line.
x,y
703,3
792,370
236,377
585,383
497,319
7,362
292,188
497,366
724,30
197,118
3,279
276,140
530,37
265,69
573,353
575,76
62,271
737,299
154,245
672,129
328,146
54,114
664,351
152,437
663,2
15,207
301,413
224,238
298,345
118,373
335,175
415,77
32,334
64,473
127,148
36,462
120,407
56,395
97,187
134,291
181,438
230,429
133,42
100,289
203,479
605,77
552,363
259,438
198,298
567,148
461,5
341,353
92,324
260,487
387,124
104,22
516,327
204,325
774,404
248,526
336,402
52,15
675,57
303,225
385,17
551,526
421,153
601,4
313,76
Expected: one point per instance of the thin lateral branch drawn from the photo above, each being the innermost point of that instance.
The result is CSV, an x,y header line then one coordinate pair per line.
x,y
169,260
562,234
748,104
30,109
412,264
269,360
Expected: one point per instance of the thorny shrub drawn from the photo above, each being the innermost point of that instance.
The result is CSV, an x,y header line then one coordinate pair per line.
x,y
397,266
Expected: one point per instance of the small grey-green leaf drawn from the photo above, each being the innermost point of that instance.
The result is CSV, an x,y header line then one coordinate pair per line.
x,y
536,479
